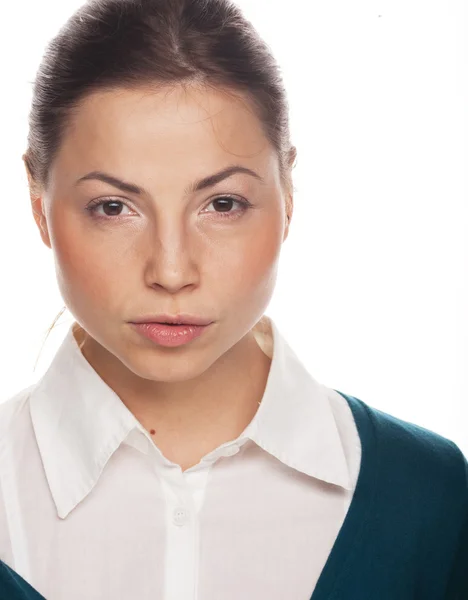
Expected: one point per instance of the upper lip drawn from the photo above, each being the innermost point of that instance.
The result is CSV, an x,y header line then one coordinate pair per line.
x,y
183,319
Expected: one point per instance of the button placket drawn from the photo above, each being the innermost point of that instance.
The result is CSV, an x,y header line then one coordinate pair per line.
x,y
180,516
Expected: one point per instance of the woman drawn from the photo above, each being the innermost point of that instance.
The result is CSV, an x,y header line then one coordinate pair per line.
x,y
177,447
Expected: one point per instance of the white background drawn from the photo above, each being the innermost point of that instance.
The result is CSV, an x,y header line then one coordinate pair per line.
x,y
372,292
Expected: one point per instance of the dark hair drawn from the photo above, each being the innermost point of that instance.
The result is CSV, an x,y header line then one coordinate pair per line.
x,y
110,44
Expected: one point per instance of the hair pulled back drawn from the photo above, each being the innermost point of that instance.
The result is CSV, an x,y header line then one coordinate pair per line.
x,y
108,44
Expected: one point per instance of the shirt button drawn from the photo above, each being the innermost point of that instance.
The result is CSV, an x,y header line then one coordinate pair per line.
x,y
180,516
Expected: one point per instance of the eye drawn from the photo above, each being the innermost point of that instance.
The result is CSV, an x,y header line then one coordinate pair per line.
x,y
226,202
113,207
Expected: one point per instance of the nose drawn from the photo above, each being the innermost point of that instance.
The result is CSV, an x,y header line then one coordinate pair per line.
x,y
173,262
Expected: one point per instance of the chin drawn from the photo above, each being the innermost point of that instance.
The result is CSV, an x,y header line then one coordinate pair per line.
x,y
159,364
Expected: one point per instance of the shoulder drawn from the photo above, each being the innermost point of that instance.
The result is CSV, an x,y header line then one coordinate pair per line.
x,y
416,483
15,438
427,469
433,455
13,411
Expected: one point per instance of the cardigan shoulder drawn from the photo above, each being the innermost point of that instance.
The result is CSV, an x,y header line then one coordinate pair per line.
x,y
419,484
435,462
441,472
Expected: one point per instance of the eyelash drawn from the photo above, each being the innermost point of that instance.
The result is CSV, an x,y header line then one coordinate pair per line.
x,y
93,206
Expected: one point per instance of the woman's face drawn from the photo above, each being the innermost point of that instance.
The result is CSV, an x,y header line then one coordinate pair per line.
x,y
167,249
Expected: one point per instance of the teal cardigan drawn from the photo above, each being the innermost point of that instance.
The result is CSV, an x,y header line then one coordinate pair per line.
x,y
405,535
14,587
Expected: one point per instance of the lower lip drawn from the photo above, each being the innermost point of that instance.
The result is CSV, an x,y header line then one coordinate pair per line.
x,y
170,335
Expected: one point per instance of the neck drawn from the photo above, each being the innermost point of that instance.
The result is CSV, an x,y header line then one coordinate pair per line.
x,y
188,419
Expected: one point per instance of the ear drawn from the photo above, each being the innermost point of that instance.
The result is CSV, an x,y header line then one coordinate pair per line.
x,y
290,190
288,213
37,206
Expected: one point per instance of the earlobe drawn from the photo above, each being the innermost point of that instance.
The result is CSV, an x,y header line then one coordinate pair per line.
x,y
36,205
40,219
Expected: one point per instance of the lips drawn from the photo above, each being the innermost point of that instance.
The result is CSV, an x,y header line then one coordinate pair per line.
x,y
170,335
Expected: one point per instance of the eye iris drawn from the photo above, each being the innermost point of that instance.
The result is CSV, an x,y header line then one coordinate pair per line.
x,y
225,199
115,210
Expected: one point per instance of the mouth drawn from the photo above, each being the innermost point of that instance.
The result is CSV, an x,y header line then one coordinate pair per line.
x,y
170,334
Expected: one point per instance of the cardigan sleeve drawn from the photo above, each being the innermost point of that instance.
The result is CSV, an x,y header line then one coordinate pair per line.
x,y
457,588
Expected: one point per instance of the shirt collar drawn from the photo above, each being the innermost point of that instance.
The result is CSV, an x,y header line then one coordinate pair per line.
x,y
295,421
79,421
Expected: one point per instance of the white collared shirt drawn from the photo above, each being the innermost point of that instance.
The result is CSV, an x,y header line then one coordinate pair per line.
x,y
91,509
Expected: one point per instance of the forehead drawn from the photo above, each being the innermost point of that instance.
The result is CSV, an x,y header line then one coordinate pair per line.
x,y
165,127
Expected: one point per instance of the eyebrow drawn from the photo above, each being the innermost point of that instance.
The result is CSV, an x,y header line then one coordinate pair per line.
x,y
201,184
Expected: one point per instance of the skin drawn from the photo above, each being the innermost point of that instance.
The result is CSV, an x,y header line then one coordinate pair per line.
x,y
168,250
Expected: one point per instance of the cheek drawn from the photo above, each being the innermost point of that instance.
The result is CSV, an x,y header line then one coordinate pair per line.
x,y
82,279
87,271
253,264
